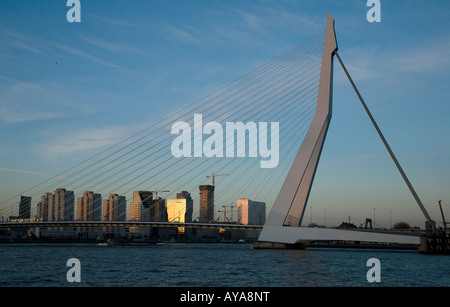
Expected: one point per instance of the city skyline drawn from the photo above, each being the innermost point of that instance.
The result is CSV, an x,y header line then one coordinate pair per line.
x,y
92,207
68,91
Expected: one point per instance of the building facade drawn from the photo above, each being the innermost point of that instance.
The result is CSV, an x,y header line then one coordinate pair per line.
x,y
184,195
89,207
60,205
206,203
180,210
159,211
114,208
44,206
251,212
140,206
140,209
25,207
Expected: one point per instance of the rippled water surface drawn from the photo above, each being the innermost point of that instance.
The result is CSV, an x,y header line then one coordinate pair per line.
x,y
218,265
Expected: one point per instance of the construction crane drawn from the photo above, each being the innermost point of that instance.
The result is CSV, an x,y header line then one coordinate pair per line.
x,y
225,213
231,210
160,191
213,176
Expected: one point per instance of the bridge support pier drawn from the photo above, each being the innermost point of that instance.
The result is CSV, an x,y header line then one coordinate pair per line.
x,y
435,244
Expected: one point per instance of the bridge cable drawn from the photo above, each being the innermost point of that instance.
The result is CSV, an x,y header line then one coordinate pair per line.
x,y
391,153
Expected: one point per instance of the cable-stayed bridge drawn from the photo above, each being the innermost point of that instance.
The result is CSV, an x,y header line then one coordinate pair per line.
x,y
284,90
266,130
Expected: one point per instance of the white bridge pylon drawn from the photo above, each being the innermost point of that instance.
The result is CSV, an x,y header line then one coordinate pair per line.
x,y
282,227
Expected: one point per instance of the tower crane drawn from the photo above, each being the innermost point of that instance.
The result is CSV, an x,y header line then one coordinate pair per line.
x,y
213,177
160,191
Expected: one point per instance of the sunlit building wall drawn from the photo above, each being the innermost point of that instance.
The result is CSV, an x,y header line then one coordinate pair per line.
x,y
251,212
179,210
89,208
140,210
114,209
63,208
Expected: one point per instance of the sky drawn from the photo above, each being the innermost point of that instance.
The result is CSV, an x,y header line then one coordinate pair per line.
x,y
70,90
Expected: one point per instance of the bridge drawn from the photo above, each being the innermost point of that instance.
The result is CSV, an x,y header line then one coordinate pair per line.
x,y
283,225
294,89
227,226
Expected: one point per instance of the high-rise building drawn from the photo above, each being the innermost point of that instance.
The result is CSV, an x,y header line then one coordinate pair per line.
x,y
251,212
44,207
89,207
114,208
184,195
180,209
140,209
25,207
189,205
159,212
206,203
61,205
140,206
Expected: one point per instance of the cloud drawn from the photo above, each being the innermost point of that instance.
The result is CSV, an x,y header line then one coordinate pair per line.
x,y
11,117
88,56
85,140
18,102
115,47
187,34
381,63
24,101
117,22
287,19
20,171
14,40
428,57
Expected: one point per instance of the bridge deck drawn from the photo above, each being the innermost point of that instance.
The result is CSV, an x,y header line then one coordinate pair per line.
x,y
127,224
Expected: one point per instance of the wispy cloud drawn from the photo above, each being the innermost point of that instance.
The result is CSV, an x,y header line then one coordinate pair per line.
x,y
187,34
88,56
11,117
14,40
369,63
276,17
88,140
117,22
15,104
427,57
28,172
119,48
24,101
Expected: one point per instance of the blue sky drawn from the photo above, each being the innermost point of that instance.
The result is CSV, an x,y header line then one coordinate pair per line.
x,y
69,90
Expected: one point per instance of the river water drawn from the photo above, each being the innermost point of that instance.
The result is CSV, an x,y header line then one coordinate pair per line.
x,y
215,265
